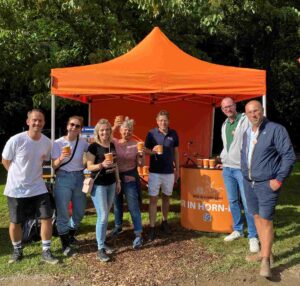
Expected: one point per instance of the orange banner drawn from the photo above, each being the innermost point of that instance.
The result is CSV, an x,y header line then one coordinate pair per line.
x,y
204,204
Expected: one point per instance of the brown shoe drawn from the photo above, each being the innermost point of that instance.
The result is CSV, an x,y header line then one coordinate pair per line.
x,y
256,257
265,269
253,257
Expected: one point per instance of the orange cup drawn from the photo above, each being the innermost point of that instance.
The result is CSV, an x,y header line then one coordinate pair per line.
x,y
108,156
120,118
199,162
140,171
146,170
67,149
140,146
205,163
160,149
212,163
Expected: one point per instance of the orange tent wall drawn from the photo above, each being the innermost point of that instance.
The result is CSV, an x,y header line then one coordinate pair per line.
x,y
191,121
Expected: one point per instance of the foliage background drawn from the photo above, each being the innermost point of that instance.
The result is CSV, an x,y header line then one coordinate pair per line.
x,y
37,35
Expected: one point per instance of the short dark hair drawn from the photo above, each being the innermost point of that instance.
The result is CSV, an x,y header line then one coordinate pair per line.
x,y
79,118
35,110
163,113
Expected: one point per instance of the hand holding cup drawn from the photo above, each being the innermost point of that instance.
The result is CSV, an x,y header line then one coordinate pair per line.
x,y
65,152
158,149
108,162
140,148
119,120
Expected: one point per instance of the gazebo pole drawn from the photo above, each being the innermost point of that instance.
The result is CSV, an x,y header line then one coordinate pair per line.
x,y
212,128
264,102
52,124
89,115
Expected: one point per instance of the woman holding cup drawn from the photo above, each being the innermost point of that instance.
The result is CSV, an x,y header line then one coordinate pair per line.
x,y
67,160
100,161
130,155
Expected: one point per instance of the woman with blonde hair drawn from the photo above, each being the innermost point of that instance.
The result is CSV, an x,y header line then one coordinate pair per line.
x,y
107,183
67,160
128,159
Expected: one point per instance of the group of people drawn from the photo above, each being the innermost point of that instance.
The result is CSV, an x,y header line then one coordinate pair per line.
x,y
257,157
112,159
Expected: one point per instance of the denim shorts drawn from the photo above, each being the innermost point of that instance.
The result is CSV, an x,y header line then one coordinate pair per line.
x,y
261,199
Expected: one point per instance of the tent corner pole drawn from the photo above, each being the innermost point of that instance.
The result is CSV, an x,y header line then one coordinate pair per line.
x,y
89,114
52,125
264,102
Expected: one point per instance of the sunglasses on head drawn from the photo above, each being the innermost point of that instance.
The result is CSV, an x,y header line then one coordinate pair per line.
x,y
75,125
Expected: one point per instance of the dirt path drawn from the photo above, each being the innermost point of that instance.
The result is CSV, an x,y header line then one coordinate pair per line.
x,y
178,260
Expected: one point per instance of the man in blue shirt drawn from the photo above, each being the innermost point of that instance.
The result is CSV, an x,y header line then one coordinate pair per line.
x,y
162,173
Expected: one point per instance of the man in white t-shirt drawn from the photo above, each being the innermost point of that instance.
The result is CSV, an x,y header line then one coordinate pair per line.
x,y
27,195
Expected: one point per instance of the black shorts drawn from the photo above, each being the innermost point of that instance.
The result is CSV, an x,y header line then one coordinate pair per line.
x,y
21,209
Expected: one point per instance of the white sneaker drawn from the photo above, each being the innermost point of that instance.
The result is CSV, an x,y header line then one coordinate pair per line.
x,y
254,245
234,235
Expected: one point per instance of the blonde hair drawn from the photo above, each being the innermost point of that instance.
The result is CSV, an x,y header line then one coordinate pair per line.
x,y
128,123
102,121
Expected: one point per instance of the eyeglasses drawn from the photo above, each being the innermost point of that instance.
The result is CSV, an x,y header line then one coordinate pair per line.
x,y
228,107
77,126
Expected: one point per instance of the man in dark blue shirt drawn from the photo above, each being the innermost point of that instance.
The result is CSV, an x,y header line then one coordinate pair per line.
x,y
162,145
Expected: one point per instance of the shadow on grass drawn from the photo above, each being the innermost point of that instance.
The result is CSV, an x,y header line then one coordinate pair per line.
x,y
284,218
5,244
284,266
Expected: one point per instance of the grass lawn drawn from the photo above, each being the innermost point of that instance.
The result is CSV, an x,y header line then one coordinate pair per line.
x,y
226,256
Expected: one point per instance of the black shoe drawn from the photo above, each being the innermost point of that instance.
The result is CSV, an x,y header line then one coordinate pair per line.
x,y
101,255
72,239
16,256
69,251
109,250
151,234
165,227
48,257
114,233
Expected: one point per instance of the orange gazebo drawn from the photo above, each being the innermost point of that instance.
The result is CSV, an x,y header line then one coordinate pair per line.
x,y
156,75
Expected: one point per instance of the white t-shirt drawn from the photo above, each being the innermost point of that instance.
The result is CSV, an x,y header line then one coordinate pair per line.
x,y
25,172
76,164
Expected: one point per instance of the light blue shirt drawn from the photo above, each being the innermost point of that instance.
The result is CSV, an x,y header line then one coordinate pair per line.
x,y
253,141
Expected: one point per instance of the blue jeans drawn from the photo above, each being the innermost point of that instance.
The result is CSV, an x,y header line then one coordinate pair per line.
x,y
130,190
102,197
68,188
233,180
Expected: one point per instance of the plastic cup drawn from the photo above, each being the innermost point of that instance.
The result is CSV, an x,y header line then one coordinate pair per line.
x,y
212,163
199,162
205,163
140,171
109,156
146,170
140,146
159,149
67,149
120,118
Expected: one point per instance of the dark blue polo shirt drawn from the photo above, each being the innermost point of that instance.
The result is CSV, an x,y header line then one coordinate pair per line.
x,y
162,164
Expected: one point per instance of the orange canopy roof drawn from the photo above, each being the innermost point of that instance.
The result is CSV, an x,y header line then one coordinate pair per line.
x,y
155,71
